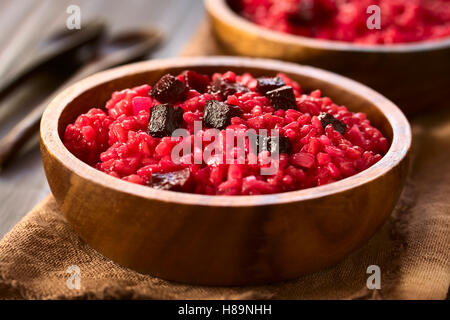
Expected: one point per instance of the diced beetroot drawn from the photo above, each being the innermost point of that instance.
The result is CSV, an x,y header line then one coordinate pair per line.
x,y
168,89
196,81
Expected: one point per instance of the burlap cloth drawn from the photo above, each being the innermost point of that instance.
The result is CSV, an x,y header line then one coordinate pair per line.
x,y
412,248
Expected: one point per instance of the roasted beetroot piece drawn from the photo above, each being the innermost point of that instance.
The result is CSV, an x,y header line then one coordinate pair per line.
x,y
267,143
338,125
174,181
168,89
268,84
282,98
226,88
164,119
196,81
282,144
218,114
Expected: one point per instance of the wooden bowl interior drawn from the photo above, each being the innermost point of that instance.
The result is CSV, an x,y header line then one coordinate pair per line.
x,y
98,95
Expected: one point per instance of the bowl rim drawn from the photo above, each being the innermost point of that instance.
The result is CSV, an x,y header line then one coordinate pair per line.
x,y
51,140
221,10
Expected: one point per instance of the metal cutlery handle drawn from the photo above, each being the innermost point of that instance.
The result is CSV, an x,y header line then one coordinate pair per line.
x,y
29,125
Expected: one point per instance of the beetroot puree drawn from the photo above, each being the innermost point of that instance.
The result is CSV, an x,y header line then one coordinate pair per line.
x,y
320,142
402,21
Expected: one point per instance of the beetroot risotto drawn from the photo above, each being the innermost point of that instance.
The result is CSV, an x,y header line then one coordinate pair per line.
x,y
402,21
318,142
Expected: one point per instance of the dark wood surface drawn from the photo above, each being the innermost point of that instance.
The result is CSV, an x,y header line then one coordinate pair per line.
x,y
22,25
220,240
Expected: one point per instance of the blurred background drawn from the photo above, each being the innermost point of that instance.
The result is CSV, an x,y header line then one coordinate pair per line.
x,y
23,24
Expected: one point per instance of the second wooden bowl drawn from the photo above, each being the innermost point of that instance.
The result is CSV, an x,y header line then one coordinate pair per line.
x,y
223,240
415,76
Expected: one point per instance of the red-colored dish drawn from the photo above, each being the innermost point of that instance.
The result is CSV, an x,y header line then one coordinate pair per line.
x,y
131,138
401,21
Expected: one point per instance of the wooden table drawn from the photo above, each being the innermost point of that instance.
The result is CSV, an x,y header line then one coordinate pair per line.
x,y
22,24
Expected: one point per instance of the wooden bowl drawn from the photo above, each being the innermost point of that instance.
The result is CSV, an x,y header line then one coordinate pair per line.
x,y
223,240
415,76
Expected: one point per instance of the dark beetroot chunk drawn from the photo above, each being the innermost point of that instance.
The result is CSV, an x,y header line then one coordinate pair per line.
x,y
218,114
266,143
282,98
282,144
164,119
168,89
196,81
338,125
268,84
226,88
175,181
